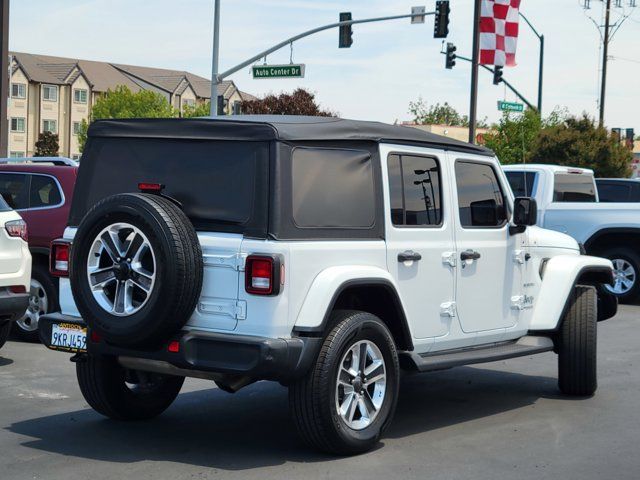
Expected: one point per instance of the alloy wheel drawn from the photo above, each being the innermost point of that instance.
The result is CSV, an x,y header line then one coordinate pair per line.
x,y
624,277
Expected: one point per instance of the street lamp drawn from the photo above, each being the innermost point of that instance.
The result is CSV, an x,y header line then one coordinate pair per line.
x,y
540,68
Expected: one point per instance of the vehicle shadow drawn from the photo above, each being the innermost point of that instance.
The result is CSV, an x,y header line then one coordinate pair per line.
x,y
252,429
5,361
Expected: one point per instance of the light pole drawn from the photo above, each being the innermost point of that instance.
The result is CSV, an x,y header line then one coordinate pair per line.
x,y
4,74
214,63
540,67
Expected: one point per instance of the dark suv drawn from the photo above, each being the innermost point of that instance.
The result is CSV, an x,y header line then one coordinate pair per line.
x,y
40,189
618,189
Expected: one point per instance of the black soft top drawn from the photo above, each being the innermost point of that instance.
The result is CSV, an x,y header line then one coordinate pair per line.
x,y
287,128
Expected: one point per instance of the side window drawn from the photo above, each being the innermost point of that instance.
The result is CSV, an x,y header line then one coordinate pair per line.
x,y
43,192
522,183
333,188
612,192
480,197
14,190
414,188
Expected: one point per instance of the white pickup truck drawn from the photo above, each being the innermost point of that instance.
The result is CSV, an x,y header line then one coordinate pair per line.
x,y
568,202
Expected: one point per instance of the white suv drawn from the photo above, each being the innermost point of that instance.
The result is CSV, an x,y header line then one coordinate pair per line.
x,y
322,253
15,269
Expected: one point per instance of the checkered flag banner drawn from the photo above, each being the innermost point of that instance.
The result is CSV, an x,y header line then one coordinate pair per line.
x,y
499,32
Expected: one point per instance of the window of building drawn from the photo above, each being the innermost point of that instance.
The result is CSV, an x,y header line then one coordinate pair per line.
x,y
18,90
50,126
17,124
76,128
188,102
80,96
414,187
50,93
572,187
333,188
480,197
75,156
44,192
16,155
14,189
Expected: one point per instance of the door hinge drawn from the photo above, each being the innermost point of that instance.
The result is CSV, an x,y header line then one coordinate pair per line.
x,y
235,261
448,309
450,258
235,309
519,257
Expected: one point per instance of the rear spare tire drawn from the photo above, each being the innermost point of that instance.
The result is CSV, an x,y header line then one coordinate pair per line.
x,y
136,269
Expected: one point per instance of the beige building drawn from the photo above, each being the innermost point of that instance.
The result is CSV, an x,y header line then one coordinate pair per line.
x,y
457,133
56,94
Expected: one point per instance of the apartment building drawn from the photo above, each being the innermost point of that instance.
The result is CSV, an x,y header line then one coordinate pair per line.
x,y
56,94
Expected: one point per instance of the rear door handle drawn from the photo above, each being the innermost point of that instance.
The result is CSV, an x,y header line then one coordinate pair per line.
x,y
409,256
469,255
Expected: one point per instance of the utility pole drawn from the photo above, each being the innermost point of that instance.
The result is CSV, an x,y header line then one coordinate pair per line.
x,y
474,73
214,63
541,61
605,55
4,80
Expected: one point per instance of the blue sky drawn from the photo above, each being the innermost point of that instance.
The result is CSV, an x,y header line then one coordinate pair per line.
x,y
388,65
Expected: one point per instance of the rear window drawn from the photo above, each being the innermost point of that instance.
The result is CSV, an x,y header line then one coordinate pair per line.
x,y
332,188
14,189
222,185
573,188
522,183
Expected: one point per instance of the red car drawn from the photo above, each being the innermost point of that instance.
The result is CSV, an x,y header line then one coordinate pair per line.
x,y
40,189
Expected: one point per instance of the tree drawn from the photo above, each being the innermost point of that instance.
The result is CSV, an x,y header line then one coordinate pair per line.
x,y
123,103
425,114
200,110
300,102
515,135
47,145
579,142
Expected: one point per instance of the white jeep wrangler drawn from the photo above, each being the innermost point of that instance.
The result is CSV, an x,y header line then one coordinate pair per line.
x,y
322,253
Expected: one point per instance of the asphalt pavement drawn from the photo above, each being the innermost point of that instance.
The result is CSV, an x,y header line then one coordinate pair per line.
x,y
504,420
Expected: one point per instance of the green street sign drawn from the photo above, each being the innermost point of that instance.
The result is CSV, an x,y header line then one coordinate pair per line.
x,y
510,106
278,71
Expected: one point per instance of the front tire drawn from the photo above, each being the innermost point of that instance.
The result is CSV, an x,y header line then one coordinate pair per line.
x,y
626,266
336,408
122,394
577,342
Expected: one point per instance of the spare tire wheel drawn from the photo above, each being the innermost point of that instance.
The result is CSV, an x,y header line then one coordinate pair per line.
x,y
136,269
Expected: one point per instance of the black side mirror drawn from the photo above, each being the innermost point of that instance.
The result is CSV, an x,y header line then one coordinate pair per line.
x,y
525,211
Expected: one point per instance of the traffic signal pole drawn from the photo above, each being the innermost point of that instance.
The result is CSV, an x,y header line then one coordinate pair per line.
x,y
216,55
473,108
221,76
605,58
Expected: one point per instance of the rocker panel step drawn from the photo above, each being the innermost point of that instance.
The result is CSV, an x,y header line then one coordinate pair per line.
x,y
528,345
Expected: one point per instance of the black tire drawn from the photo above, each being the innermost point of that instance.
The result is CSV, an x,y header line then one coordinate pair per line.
x,y
577,344
122,394
312,399
631,256
5,329
40,273
178,269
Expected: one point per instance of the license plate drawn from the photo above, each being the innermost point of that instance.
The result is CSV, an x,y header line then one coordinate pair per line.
x,y
69,337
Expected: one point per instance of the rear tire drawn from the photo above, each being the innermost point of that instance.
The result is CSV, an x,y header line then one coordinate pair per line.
x,y
577,342
5,329
122,394
317,402
43,299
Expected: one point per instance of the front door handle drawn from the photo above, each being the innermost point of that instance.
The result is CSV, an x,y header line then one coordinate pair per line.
x,y
469,255
409,256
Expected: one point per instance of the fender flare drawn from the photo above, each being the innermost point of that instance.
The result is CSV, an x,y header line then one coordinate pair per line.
x,y
553,297
610,230
314,315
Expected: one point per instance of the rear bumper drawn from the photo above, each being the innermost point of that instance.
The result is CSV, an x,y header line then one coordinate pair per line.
x,y
12,305
227,355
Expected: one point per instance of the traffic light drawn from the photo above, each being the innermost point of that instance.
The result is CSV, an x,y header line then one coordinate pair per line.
x,y
441,22
629,137
451,56
497,75
346,31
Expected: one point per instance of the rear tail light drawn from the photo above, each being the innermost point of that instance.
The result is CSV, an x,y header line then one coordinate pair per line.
x,y
263,274
59,260
147,187
18,289
17,228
